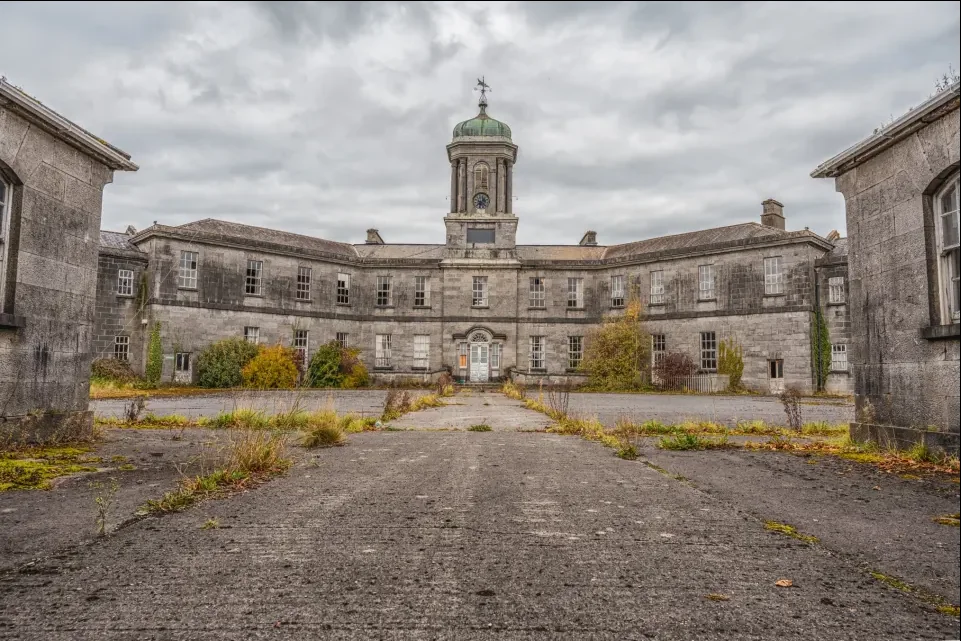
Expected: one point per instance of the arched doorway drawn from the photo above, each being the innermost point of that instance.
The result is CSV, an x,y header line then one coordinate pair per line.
x,y
480,349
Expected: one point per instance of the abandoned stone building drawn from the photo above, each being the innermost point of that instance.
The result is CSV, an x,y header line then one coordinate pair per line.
x,y
479,304
900,188
52,174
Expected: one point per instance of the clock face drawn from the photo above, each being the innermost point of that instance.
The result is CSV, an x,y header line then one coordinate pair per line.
x,y
481,201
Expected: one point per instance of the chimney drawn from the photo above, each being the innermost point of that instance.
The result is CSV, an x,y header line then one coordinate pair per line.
x,y
773,214
373,237
833,236
131,230
589,239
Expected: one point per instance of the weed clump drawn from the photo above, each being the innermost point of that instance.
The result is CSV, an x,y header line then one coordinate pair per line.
x,y
686,441
789,530
251,457
481,427
323,435
628,452
35,468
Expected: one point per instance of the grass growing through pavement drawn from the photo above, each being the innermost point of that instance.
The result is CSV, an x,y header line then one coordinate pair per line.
x,y
685,441
250,457
953,520
101,388
34,468
481,427
400,402
939,602
791,531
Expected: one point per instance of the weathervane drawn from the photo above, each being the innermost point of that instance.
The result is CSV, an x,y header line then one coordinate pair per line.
x,y
484,88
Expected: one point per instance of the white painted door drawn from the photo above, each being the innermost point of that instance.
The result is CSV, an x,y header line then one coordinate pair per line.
x,y
479,362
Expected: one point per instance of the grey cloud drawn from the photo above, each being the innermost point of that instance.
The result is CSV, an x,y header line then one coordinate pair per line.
x,y
329,118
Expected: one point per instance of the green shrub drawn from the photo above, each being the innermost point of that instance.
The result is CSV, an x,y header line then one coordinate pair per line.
x,y
617,354
273,367
820,350
155,358
112,369
324,368
335,366
221,364
730,361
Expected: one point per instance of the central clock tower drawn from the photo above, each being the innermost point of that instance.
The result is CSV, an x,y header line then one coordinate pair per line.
x,y
481,224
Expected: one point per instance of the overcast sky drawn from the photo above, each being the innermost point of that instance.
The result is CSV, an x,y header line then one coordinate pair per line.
x,y
634,120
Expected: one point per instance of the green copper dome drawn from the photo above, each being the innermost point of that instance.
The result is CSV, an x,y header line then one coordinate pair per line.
x,y
482,125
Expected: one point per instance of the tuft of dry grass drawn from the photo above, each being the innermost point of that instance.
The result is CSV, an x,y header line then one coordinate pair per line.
x,y
250,457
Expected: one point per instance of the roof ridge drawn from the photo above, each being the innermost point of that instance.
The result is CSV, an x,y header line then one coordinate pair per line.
x,y
270,229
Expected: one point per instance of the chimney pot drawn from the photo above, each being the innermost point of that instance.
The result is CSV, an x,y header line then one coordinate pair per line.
x,y
772,214
373,237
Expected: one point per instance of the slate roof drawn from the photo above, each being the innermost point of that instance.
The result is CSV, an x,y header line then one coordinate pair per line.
x,y
837,255
118,243
717,238
212,229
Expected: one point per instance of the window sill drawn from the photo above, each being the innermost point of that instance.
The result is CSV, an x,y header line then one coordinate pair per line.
x,y
537,309
572,370
707,300
246,295
421,306
384,368
774,295
187,289
840,371
419,369
537,370
10,321
480,306
617,306
656,304
342,304
574,309
941,332
303,300
383,307
841,304
125,296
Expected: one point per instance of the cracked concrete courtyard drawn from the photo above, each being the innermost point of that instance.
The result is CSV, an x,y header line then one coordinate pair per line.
x,y
434,532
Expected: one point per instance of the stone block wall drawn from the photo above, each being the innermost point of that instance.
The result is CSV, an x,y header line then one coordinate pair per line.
x,y
52,270
117,315
905,375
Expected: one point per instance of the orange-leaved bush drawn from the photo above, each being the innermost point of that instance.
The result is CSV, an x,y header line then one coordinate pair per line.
x,y
273,367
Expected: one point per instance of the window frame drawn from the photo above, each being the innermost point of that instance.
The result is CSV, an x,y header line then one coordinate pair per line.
x,y
252,334
657,287
304,277
385,292
839,349
948,296
705,282
254,278
301,344
618,291
121,348
6,221
179,359
479,292
421,291
481,177
343,339
708,352
775,369
383,346
575,351
421,351
774,276
536,353
658,348
537,293
125,283
343,291
836,290
187,274
575,292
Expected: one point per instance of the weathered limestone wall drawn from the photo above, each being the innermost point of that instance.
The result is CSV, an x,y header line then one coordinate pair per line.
x,y
902,376
116,313
55,229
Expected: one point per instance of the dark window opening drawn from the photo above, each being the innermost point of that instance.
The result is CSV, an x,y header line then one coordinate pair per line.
x,y
480,235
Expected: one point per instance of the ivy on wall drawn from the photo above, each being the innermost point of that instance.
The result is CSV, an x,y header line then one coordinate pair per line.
x,y
820,350
730,361
155,357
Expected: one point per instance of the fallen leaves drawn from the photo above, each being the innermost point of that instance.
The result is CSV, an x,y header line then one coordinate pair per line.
x,y
784,583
